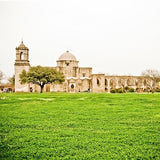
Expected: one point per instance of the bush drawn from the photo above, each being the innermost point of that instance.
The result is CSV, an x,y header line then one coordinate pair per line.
x,y
113,91
126,88
119,90
131,90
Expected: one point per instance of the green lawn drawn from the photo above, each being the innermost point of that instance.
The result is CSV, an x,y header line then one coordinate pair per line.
x,y
79,126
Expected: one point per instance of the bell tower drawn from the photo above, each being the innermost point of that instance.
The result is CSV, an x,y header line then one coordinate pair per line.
x,y
21,63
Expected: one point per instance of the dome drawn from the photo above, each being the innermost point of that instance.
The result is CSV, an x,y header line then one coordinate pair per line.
x,y
22,47
67,56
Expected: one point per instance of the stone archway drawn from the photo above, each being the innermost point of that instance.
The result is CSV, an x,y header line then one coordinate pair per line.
x,y
112,83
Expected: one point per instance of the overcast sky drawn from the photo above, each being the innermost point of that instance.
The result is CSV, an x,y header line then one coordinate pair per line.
x,y
112,36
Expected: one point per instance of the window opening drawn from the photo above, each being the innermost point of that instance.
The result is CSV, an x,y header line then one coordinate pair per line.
x,y
72,86
21,56
106,82
98,83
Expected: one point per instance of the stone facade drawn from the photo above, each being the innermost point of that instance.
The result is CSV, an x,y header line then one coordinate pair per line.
x,y
21,63
77,79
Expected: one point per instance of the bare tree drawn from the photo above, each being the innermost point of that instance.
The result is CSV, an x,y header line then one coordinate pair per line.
x,y
154,76
11,80
1,76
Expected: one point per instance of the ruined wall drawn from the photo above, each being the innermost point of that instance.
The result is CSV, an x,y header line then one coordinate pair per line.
x,y
98,83
138,83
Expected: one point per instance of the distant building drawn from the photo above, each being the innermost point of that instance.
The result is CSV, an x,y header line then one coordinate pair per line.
x,y
6,88
77,79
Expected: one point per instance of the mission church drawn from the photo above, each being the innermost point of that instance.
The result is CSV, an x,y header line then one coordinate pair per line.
x,y
77,79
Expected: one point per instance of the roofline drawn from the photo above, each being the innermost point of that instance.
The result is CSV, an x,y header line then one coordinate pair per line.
x,y
85,67
67,60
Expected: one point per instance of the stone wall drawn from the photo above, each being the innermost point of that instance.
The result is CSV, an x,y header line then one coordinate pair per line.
x,y
85,72
98,83
138,83
78,79
18,86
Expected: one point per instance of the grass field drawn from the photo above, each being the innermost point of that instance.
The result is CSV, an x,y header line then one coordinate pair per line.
x,y
79,126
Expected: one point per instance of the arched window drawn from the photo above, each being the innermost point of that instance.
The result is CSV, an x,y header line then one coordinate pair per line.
x,y
128,82
145,82
22,56
98,82
106,82
121,82
136,82
111,82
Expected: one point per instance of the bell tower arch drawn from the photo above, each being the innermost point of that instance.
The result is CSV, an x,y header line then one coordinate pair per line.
x,y
21,63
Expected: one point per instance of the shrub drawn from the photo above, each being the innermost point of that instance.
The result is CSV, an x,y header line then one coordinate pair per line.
x,y
113,91
126,88
131,90
119,90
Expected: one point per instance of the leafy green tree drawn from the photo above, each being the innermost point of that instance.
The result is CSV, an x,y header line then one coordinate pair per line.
x,y
41,75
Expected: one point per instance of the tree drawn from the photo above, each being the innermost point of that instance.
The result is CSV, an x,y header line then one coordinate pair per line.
x,y
41,75
11,80
1,76
153,75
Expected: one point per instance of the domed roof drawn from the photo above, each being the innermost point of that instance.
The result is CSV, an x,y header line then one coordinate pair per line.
x,y
67,56
22,46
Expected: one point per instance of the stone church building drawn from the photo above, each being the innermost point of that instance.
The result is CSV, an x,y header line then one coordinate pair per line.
x,y
77,79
